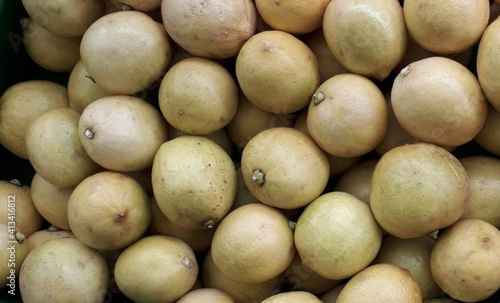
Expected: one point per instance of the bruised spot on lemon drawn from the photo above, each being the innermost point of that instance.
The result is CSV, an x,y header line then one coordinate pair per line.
x,y
440,101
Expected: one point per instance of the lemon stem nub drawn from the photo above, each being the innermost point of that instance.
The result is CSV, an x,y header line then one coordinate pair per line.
x,y
406,70
20,237
53,228
124,7
433,234
88,134
259,177
188,263
292,225
23,22
318,97
15,182
209,224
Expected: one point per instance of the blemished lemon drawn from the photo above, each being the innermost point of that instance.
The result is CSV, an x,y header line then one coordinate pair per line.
x,y
465,260
215,29
381,283
294,296
141,269
20,104
194,182
125,52
48,50
267,76
417,189
488,50
489,135
286,182
198,96
16,205
295,17
65,18
484,176
414,255
112,128
368,37
439,25
253,244
113,225
240,292
440,101
44,235
51,201
337,236
57,129
207,295
82,90
61,270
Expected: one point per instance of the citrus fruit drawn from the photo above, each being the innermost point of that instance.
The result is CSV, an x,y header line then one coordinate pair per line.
x,y
381,283
484,176
194,182
57,130
337,236
61,270
439,25
465,260
285,182
295,17
414,255
253,244
367,37
20,104
198,96
487,65
347,115
141,269
112,130
125,52
109,211
277,72
211,29
440,101
417,189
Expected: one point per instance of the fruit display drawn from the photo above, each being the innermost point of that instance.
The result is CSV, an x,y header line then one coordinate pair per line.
x,y
248,151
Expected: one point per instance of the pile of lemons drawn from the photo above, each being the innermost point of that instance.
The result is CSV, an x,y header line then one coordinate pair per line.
x,y
255,151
